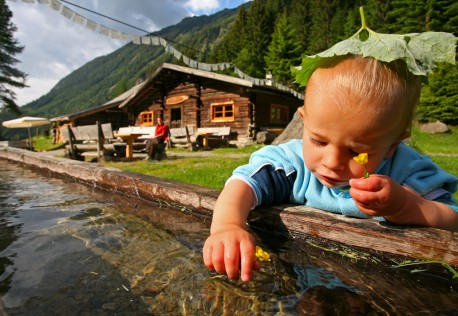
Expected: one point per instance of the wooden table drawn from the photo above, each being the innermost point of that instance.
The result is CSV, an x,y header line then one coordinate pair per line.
x,y
205,139
129,139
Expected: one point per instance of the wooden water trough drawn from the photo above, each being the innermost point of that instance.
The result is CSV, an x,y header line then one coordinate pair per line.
x,y
299,222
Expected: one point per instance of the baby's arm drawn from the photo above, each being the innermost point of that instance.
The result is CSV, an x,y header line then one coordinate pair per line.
x,y
380,195
230,246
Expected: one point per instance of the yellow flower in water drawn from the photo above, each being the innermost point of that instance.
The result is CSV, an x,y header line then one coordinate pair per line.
x,y
261,254
361,159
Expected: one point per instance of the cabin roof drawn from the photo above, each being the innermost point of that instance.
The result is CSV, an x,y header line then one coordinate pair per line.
x,y
168,76
164,79
106,106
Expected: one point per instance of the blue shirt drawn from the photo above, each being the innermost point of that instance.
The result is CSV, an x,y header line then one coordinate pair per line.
x,y
277,174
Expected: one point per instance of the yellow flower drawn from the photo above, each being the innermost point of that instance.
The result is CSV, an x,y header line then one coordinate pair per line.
x,y
361,159
261,254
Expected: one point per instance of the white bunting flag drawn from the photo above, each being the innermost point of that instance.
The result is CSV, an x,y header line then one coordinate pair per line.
x,y
146,40
79,19
55,4
136,40
104,30
67,12
91,25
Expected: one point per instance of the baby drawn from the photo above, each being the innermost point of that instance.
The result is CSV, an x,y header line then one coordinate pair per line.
x,y
352,105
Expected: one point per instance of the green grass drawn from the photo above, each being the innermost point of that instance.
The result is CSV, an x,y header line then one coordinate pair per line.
x,y
213,172
44,143
205,171
442,148
435,143
210,172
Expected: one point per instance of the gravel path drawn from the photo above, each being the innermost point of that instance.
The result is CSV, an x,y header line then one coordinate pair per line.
x,y
171,154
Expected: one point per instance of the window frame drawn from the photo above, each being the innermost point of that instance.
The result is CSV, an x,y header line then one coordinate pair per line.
x,y
146,122
280,111
224,117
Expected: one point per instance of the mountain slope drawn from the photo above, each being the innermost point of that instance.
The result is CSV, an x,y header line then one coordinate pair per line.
x,y
94,83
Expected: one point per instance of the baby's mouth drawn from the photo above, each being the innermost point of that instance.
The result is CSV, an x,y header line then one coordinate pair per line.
x,y
332,181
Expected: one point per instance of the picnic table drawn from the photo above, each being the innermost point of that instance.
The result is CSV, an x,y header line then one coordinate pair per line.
x,y
205,136
129,139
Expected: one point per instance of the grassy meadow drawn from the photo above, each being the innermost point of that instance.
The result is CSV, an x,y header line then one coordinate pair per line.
x,y
206,171
213,171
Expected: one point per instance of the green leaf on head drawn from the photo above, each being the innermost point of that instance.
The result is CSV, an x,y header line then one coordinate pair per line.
x,y
421,51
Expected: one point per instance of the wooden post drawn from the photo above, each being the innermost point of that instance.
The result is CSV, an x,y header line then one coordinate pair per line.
x,y
188,138
71,142
100,141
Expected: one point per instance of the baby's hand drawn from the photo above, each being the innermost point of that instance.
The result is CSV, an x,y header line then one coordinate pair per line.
x,y
229,249
378,195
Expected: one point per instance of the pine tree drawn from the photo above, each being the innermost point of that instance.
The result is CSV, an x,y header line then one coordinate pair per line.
x,y
232,44
440,97
376,12
10,77
284,51
258,32
442,16
451,12
439,100
321,13
406,16
352,22
300,20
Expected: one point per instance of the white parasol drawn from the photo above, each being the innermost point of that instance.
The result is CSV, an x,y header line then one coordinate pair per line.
x,y
26,122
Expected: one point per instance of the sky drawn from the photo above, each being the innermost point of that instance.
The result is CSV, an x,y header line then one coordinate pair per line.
x,y
54,45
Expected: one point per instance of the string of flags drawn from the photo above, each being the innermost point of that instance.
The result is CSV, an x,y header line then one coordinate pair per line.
x,y
156,41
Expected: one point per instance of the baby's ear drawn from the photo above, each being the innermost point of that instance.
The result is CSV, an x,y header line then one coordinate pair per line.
x,y
395,145
301,112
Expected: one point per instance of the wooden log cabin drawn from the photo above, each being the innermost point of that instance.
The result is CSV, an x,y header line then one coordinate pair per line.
x,y
188,97
108,112
194,98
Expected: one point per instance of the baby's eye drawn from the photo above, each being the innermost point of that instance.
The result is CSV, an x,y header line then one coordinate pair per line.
x,y
317,142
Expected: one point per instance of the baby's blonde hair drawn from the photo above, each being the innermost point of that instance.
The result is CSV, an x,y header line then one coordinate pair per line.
x,y
367,81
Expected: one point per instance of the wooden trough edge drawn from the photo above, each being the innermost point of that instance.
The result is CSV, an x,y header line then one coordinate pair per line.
x,y
298,221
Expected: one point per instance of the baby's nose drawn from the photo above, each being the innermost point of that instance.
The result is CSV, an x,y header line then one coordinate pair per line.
x,y
333,160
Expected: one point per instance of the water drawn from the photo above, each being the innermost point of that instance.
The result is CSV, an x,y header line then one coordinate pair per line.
x,y
67,249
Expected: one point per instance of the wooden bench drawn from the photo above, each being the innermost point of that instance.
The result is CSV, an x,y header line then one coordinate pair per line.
x,y
213,136
218,132
183,137
22,143
92,140
203,137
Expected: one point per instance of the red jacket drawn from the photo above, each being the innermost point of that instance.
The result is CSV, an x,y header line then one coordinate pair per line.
x,y
162,131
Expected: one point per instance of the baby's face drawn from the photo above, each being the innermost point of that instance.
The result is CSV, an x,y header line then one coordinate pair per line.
x,y
333,135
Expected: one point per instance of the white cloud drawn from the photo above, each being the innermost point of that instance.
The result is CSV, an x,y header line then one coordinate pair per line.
x,y
38,87
206,6
55,46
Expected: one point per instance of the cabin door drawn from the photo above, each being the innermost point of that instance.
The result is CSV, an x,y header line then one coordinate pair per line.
x,y
175,118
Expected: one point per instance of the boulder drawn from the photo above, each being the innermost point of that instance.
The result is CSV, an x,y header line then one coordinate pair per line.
x,y
292,131
434,127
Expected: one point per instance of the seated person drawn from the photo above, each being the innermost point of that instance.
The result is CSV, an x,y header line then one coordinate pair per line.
x,y
157,144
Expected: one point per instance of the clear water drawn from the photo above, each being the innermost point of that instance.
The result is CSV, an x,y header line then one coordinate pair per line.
x,y
68,249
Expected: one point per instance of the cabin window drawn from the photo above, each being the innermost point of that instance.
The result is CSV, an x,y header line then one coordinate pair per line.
x,y
279,113
222,112
146,118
